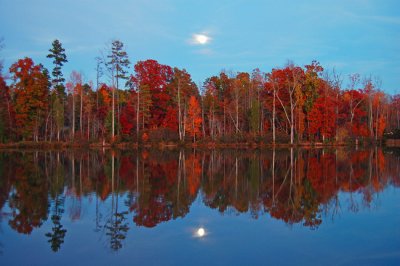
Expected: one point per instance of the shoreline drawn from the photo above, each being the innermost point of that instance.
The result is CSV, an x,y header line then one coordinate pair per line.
x,y
174,145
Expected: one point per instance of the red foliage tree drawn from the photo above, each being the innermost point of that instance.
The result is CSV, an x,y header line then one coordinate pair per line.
x,y
154,77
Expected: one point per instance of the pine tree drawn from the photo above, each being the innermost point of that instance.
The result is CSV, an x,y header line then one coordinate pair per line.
x,y
57,53
59,58
117,67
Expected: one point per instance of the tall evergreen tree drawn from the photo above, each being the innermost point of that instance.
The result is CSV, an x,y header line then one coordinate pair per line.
x,y
57,53
117,66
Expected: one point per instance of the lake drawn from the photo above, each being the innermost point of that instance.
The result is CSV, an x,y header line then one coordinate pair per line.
x,y
200,207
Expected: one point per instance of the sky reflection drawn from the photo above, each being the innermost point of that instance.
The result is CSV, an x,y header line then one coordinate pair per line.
x,y
341,204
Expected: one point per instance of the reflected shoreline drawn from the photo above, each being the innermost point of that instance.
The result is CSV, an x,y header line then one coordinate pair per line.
x,y
149,187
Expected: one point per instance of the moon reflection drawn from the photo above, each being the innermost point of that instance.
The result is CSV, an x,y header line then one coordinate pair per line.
x,y
201,232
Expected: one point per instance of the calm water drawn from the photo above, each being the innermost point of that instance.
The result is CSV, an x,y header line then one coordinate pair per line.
x,y
315,206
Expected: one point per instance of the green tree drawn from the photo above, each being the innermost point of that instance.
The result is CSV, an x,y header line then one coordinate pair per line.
x,y
57,53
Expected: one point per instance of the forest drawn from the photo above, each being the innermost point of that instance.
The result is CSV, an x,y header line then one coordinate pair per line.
x,y
149,102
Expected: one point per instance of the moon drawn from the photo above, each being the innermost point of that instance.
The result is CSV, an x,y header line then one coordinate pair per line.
x,y
201,39
200,232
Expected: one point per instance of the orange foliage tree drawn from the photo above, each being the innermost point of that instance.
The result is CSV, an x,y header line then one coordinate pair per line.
x,y
194,120
31,88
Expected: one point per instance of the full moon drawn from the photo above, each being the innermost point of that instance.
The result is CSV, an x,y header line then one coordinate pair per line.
x,y
201,232
201,38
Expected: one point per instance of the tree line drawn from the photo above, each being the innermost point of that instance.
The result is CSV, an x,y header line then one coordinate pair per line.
x,y
156,102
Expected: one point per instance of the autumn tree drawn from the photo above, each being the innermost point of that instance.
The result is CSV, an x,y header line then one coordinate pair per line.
x,y
321,117
149,84
241,84
104,103
311,89
292,89
286,86
218,104
394,121
379,105
31,90
275,81
180,89
323,113
369,90
6,112
194,120
128,118
211,106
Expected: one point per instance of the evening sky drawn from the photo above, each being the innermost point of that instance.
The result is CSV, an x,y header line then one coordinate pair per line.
x,y
358,36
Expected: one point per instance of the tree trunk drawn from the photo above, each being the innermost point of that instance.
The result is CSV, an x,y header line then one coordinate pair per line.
x,y
73,115
88,128
137,115
203,120
273,117
179,112
291,123
237,114
81,113
113,115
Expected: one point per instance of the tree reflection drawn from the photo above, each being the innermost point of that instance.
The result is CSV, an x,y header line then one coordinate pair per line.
x,y
149,187
57,234
28,199
116,226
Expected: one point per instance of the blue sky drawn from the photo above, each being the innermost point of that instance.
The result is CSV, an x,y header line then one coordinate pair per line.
x,y
351,36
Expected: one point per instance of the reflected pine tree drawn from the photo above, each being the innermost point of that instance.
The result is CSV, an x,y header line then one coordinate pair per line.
x,y
57,198
116,226
116,229
57,234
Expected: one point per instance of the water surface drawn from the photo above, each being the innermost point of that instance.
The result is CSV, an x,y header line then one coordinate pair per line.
x,y
298,206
